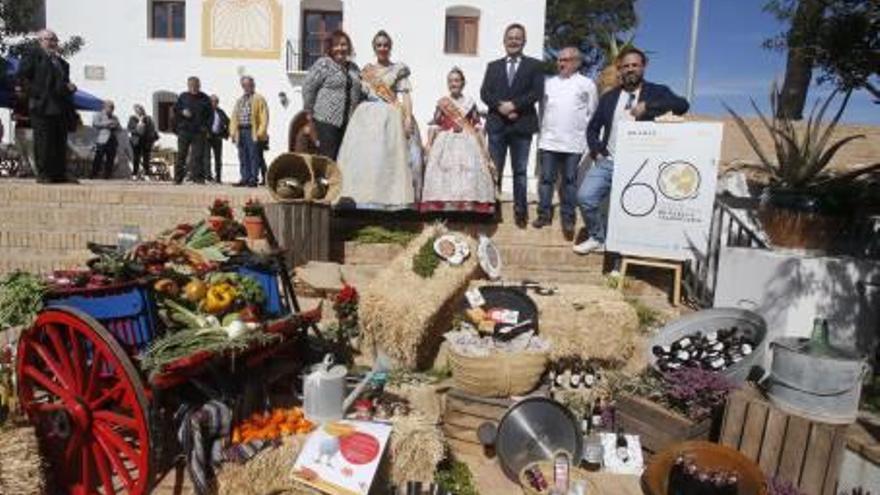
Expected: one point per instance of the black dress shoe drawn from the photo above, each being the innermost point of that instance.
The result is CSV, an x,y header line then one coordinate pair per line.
x,y
568,232
240,184
541,222
522,221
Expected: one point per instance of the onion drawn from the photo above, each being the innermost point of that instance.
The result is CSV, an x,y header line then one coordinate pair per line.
x,y
235,329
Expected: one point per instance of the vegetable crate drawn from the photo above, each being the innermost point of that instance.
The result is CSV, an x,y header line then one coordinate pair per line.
x,y
103,423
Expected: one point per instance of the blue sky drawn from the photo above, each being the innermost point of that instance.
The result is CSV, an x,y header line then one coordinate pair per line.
x,y
731,64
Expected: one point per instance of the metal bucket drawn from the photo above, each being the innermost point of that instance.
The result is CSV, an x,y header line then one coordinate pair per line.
x,y
822,386
711,320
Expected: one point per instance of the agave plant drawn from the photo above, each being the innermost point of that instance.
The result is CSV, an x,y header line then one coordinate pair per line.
x,y
802,157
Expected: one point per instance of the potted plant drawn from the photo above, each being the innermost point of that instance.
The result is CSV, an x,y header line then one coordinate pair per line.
x,y
254,222
220,212
804,205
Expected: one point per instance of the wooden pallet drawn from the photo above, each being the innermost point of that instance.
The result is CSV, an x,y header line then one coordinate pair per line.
x,y
807,453
657,426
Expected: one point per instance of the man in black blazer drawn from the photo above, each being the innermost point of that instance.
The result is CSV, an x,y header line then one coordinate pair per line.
x,y
50,103
634,100
511,87
218,131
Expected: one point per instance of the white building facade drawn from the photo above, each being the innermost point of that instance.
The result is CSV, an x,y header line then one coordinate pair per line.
x,y
142,51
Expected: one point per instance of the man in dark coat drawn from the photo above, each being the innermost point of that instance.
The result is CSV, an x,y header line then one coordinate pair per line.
x,y
50,105
634,100
218,131
192,117
142,135
511,87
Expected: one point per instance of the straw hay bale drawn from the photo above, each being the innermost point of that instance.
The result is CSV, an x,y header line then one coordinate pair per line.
x,y
267,473
427,399
605,328
405,315
21,466
417,447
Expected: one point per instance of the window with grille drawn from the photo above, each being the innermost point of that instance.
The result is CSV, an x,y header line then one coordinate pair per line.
x,y
168,19
318,25
462,34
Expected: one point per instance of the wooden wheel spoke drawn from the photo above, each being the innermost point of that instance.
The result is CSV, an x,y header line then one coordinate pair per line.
x,y
47,407
110,394
46,383
117,419
103,469
73,445
50,363
79,363
94,374
85,469
54,333
116,462
117,442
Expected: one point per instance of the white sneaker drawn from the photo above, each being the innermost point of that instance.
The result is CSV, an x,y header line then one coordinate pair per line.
x,y
588,246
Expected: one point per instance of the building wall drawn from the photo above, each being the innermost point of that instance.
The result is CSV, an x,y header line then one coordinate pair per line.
x,y
135,66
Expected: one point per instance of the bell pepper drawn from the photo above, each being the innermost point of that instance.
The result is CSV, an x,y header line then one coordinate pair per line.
x,y
219,298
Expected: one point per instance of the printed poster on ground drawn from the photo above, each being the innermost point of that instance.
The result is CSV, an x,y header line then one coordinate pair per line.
x,y
663,189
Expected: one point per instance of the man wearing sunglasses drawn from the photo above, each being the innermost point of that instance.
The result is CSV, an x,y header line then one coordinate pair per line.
x,y
634,100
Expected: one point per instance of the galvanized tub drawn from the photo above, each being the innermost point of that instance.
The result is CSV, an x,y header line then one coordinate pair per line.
x,y
824,386
710,320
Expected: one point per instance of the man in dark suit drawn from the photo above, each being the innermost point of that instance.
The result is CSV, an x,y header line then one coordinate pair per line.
x,y
50,104
218,131
634,100
511,87
192,116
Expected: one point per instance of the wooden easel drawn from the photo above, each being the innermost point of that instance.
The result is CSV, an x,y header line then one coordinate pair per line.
x,y
675,266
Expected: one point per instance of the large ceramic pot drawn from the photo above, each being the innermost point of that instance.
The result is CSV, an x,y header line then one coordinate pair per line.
x,y
797,220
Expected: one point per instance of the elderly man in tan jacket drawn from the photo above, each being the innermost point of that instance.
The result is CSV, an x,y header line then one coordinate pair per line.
x,y
248,128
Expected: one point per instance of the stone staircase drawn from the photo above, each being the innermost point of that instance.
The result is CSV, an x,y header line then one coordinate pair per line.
x,y
47,227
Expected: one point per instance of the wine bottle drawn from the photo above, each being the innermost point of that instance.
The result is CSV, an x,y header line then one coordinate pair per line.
x,y
661,350
689,478
676,476
596,420
574,379
560,372
682,343
732,487
622,446
704,483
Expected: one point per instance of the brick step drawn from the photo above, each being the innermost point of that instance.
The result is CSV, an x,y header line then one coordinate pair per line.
x,y
94,217
553,258
15,191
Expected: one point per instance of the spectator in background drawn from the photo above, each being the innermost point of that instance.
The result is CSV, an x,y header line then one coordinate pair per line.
x,y
248,129
192,117
570,98
634,100
24,134
50,106
216,134
511,87
106,143
142,136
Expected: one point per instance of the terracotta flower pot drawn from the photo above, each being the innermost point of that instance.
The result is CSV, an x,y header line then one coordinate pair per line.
x,y
216,221
255,227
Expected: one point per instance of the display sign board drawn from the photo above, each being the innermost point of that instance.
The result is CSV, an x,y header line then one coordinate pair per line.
x,y
663,188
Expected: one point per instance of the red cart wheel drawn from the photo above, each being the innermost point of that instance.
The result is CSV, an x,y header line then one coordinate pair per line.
x,y
81,391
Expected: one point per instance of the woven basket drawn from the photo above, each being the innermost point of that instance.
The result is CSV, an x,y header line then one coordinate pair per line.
x,y
574,474
500,375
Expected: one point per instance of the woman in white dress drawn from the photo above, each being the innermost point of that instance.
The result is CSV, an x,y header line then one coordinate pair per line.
x,y
381,156
459,174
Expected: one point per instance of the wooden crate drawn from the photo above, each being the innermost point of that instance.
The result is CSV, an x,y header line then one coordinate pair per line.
x,y
302,230
657,426
465,413
807,453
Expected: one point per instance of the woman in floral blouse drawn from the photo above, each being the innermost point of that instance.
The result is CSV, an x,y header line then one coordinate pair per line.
x,y
331,91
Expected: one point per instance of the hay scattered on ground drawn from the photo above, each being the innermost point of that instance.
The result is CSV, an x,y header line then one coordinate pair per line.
x,y
417,447
21,466
267,473
404,314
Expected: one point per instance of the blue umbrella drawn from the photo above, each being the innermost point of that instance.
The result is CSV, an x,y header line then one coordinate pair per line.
x,y
81,99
